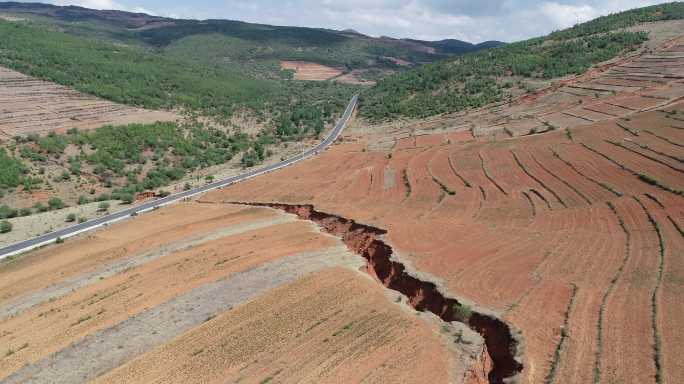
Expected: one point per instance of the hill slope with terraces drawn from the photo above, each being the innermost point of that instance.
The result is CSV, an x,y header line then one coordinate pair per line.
x,y
563,215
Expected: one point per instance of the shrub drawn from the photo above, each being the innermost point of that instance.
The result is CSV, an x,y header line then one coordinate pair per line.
x,y
70,218
59,240
25,212
648,179
5,226
55,203
127,198
103,206
7,212
463,312
40,207
53,143
82,220
83,200
75,167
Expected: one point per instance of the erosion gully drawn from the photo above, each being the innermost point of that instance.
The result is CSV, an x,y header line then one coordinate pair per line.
x,y
502,345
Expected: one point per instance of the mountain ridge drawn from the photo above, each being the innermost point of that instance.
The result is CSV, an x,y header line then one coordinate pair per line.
x,y
137,21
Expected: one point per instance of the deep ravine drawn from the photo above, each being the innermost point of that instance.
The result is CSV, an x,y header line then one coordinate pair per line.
x,y
502,345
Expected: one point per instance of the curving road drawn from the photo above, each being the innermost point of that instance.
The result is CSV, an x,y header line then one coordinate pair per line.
x,y
48,238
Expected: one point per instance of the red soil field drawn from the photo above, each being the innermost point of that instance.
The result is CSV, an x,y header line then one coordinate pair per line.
x,y
310,71
327,322
548,230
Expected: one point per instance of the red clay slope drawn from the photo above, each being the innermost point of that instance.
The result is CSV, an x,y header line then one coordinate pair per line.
x,y
570,235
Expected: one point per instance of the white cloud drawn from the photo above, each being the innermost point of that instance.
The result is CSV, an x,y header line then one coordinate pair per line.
x,y
566,15
141,10
470,20
104,5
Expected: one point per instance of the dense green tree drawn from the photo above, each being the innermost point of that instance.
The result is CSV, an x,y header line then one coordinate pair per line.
x,y
11,170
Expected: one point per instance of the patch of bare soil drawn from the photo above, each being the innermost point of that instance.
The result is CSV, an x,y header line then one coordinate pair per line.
x,y
29,105
10,17
355,77
308,71
192,276
330,327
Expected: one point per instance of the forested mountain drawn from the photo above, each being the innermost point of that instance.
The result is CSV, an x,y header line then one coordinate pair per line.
x,y
346,48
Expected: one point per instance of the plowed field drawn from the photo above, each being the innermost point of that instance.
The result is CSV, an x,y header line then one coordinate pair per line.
x,y
29,105
210,293
310,71
570,235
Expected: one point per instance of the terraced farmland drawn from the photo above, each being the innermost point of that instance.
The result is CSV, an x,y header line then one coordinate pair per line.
x,y
571,236
29,105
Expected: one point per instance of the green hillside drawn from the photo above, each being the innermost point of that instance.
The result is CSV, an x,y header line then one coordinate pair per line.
x,y
135,75
214,67
477,79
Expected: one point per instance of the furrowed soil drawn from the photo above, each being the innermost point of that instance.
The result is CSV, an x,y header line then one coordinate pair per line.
x,y
271,294
310,71
330,327
566,232
30,105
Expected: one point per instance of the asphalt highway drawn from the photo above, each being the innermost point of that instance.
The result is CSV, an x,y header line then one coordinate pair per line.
x,y
51,237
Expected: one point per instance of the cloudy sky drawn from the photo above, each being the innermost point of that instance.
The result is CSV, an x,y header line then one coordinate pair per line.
x,y
470,20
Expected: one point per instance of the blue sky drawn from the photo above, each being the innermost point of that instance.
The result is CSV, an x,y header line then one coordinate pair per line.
x,y
470,20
